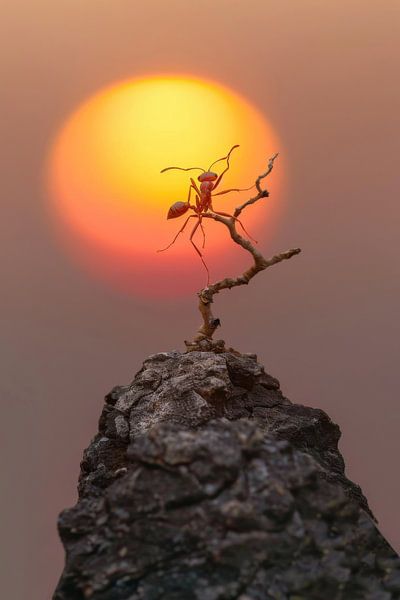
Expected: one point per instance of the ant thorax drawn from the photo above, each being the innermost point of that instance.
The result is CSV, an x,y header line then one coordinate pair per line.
x,y
206,187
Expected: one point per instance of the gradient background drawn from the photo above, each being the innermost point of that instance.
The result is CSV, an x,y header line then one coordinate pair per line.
x,y
326,323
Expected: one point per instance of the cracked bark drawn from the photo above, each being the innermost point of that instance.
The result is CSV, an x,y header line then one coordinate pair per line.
x,y
218,488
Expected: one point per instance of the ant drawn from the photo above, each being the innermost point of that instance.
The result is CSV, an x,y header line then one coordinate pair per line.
x,y
209,181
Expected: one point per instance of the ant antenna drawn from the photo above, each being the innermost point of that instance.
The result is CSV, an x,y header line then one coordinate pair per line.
x,y
224,157
182,169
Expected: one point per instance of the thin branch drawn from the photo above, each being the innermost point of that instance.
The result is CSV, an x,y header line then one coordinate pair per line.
x,y
261,193
203,339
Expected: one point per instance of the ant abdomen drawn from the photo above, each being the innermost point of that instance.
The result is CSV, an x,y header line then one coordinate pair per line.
x,y
177,210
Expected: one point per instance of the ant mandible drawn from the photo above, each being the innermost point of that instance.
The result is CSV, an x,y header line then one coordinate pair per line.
x,y
209,181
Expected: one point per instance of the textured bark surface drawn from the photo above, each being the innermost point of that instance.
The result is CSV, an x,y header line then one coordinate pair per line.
x,y
206,483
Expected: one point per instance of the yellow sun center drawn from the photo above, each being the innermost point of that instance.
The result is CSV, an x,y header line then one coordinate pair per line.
x,y
105,182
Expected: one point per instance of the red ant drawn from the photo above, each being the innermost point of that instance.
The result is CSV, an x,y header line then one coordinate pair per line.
x,y
209,181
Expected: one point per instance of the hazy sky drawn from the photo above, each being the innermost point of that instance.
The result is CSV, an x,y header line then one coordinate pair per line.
x,y
325,73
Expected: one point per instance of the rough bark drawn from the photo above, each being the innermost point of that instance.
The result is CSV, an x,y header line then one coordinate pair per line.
x,y
205,483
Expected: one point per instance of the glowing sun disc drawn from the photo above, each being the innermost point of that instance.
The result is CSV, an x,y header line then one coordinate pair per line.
x,y
110,200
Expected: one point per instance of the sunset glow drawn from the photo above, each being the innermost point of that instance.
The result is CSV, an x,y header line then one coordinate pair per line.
x,y
110,200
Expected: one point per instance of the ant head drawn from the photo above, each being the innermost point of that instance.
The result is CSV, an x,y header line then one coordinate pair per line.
x,y
208,176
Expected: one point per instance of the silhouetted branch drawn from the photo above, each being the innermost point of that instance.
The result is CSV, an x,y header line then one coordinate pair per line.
x,y
203,339
261,193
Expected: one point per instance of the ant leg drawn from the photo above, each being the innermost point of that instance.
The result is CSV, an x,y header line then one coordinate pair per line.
x,y
180,231
198,203
198,251
203,232
224,214
194,185
234,190
195,208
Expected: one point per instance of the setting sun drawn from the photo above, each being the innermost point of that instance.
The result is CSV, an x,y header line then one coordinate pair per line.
x,y
109,198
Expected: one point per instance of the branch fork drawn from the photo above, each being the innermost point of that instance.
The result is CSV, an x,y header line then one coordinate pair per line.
x,y
203,339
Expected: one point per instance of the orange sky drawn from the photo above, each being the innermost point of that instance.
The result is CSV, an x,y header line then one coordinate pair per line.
x,y
325,323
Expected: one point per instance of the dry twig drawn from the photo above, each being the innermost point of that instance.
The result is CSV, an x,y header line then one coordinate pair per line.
x,y
203,340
